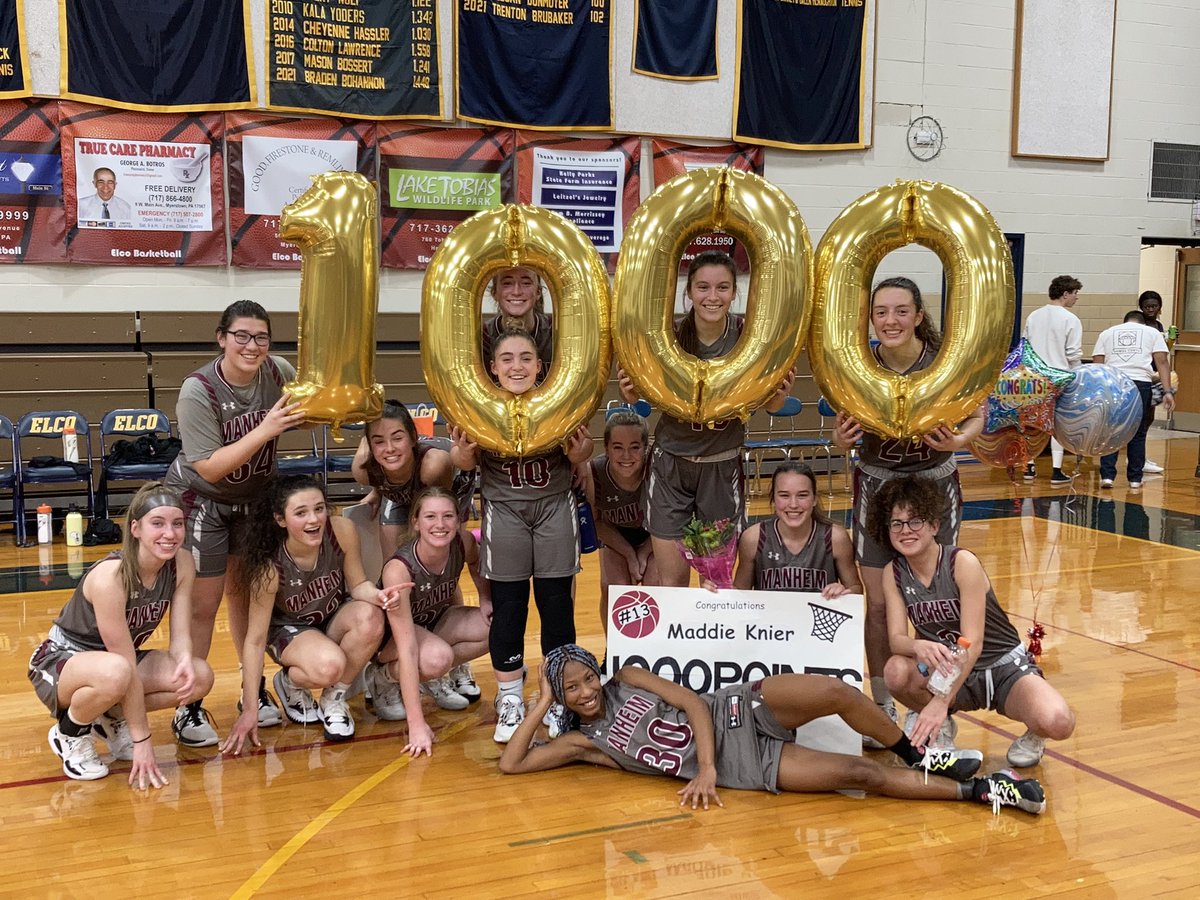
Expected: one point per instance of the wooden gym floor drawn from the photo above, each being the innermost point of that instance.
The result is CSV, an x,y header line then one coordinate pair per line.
x,y
1112,575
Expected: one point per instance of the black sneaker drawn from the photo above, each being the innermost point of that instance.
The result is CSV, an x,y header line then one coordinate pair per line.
x,y
1005,788
1030,472
957,764
1059,477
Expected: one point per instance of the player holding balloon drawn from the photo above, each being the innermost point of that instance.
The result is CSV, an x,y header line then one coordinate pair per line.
x,y
908,342
695,470
530,531
518,295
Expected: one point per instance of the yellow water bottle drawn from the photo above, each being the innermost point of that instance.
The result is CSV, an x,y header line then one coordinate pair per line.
x,y
74,528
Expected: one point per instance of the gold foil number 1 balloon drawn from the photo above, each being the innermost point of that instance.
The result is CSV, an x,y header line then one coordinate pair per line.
x,y
336,225
979,318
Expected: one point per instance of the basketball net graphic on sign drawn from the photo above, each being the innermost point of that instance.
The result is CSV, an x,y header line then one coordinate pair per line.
x,y
826,622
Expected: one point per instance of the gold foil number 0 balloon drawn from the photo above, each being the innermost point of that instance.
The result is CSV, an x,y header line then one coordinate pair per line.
x,y
768,223
458,274
336,225
979,318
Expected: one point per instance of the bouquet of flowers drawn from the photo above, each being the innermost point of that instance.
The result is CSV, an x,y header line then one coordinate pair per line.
x,y
711,548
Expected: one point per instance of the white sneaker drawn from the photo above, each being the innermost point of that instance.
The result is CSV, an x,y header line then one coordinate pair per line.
x,y
298,704
193,726
943,740
78,755
443,693
510,713
1026,750
555,720
890,708
463,681
335,715
268,712
115,732
1152,468
385,694
1106,482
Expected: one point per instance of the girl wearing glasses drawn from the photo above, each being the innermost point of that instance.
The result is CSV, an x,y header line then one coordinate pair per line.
x,y
945,593
908,342
231,412
800,549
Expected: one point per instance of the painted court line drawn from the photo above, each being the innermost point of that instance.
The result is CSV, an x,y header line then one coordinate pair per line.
x,y
603,829
313,828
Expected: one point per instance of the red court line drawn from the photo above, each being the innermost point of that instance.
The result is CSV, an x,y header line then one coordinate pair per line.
x,y
1094,772
196,761
1125,647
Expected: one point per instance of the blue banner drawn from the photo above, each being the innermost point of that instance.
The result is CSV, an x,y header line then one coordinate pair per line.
x,y
534,64
676,39
158,55
800,74
30,174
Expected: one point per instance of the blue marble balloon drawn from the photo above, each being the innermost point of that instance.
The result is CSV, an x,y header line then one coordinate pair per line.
x,y
1099,411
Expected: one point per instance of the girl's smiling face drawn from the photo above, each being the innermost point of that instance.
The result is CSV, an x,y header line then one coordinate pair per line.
x,y
515,363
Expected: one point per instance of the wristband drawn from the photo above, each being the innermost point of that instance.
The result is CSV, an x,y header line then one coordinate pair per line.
x,y
142,740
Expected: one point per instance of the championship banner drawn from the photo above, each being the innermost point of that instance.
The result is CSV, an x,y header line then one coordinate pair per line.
x,y
14,54
708,641
33,224
671,159
371,59
801,74
676,39
593,182
158,55
541,64
143,188
431,179
271,163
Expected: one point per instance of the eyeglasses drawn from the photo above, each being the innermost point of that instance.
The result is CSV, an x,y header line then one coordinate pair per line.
x,y
242,338
916,523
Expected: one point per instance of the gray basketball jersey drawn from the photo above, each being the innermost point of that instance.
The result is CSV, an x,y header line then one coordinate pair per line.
x,y
507,478
614,504
432,591
236,411
689,439
144,609
462,486
936,612
543,338
310,598
778,569
902,455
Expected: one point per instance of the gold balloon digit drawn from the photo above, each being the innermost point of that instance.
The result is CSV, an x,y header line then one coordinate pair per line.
x,y
336,225
768,223
979,316
458,274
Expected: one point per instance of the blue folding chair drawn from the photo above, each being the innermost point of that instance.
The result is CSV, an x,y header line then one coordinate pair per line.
x,y
300,460
10,477
828,412
126,424
48,427
785,439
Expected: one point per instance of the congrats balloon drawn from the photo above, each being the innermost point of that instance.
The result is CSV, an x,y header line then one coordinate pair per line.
x,y
336,225
979,314
768,223
458,274
1099,412
1024,394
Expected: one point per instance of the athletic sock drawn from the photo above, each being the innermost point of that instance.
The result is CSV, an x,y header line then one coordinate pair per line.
x,y
975,789
904,749
336,691
879,691
70,727
513,688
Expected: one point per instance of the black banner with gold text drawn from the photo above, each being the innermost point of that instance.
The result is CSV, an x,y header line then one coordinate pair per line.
x,y
14,55
371,59
676,39
535,63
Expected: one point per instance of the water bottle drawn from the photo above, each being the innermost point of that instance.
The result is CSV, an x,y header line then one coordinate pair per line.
x,y
587,525
70,444
74,527
939,685
46,564
43,523
75,564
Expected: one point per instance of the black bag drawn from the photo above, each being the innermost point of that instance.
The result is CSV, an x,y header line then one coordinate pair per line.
x,y
146,449
102,531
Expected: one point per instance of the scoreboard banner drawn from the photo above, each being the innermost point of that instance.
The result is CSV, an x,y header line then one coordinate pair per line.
x,y
707,641
33,223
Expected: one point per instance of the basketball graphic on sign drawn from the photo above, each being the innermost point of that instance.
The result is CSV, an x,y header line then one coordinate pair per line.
x,y
635,614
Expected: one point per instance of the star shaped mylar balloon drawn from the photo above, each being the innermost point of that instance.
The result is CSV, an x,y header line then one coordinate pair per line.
x,y
1024,394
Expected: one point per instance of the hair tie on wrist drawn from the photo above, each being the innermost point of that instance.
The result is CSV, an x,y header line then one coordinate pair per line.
x,y
142,740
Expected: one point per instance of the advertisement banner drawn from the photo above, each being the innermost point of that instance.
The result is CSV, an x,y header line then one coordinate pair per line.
x,y
593,182
271,163
373,59
143,188
430,179
33,223
708,641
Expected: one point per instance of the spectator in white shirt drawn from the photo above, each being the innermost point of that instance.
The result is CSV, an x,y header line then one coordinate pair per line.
x,y
1056,335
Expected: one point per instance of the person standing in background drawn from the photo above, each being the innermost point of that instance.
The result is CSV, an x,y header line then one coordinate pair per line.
x,y
1056,335
1150,303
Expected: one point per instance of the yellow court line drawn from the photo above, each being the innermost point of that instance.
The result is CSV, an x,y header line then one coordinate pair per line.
x,y
313,828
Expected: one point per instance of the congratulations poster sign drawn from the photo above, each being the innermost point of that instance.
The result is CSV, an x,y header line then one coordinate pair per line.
x,y
708,641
